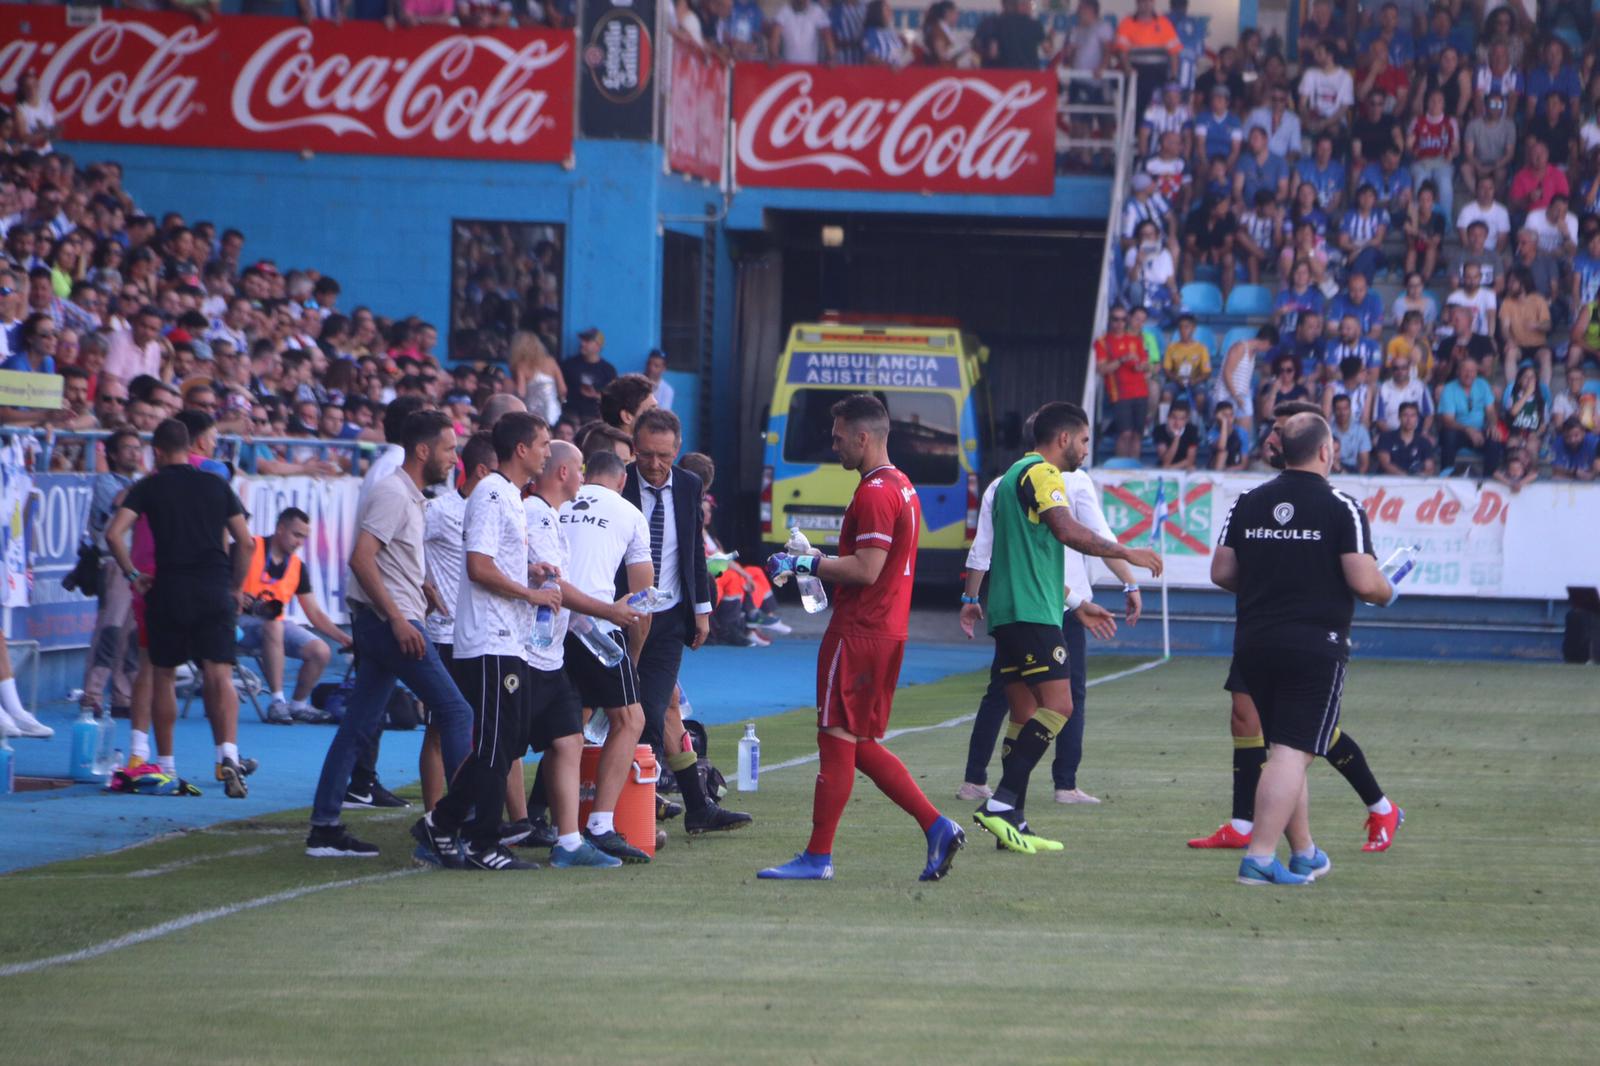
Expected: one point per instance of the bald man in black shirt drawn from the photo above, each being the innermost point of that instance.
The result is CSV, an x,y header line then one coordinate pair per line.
x,y
1297,553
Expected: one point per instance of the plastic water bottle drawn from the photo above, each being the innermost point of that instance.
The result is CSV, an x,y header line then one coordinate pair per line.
x,y
85,748
544,619
749,759
105,748
600,643
813,597
1400,563
646,601
8,767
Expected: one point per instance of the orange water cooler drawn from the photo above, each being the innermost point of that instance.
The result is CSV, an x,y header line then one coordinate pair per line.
x,y
636,808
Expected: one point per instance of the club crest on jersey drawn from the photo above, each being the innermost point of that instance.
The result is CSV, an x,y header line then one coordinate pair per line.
x,y
512,683
875,482
1283,513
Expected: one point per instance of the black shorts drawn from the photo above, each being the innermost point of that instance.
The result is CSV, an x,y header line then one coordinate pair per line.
x,y
1235,683
1127,416
599,685
556,710
190,621
1297,695
499,690
1031,652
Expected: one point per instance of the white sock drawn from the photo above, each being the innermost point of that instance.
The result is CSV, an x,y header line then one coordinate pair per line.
x,y
1309,853
300,705
168,764
569,841
139,746
228,751
1383,806
9,698
600,823
278,696
994,806
1241,826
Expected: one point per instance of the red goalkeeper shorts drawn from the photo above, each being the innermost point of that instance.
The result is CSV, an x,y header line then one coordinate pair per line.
x,y
856,678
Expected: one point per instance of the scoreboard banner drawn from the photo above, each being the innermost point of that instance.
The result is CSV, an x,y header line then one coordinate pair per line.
x,y
273,83
1476,540
922,129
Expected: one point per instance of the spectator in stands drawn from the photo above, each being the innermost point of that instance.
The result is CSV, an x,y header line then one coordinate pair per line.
x,y
1433,142
1555,229
1208,238
884,47
37,346
1228,442
1481,300
1260,228
1152,277
1186,364
138,349
1327,93
586,374
1260,170
939,44
1467,418
848,20
1443,32
1323,27
1145,205
1557,128
1380,76
1011,39
1497,73
1325,174
1124,367
1372,130
1349,343
1279,122
655,368
1575,453
420,13
1579,400
1524,320
1517,471
1357,301
1168,113
1362,232
1537,181
1424,229
1585,338
1402,387
1355,443
1235,383
1488,146
1487,210
1297,297
1456,342
1475,252
1177,440
801,32
1284,384
1149,44
741,29
1407,451
1585,270
1525,409
1218,133
1392,183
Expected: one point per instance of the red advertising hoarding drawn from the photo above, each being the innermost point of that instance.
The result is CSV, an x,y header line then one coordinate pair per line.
x,y
270,83
948,131
697,113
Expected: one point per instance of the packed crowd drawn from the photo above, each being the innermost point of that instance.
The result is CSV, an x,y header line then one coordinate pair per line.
x,y
1402,226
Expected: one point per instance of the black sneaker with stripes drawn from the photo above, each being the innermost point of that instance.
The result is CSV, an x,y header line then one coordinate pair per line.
x,y
495,857
434,846
335,842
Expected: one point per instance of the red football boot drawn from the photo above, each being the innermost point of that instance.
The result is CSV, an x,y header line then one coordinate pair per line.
x,y
1381,829
1225,837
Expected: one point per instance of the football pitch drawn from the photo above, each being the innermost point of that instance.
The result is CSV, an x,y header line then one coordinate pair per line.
x,y
1476,938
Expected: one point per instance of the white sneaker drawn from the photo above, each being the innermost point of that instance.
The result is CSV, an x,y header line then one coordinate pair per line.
x,y
970,791
8,728
29,726
1074,795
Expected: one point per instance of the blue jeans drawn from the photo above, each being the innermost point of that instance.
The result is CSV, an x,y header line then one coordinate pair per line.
x,y
1442,173
993,713
379,664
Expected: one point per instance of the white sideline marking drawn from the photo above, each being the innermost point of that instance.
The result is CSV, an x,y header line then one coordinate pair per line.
x,y
965,718
167,868
155,932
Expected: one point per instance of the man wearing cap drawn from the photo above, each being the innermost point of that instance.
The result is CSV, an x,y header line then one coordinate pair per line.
x,y
1217,132
1488,145
587,374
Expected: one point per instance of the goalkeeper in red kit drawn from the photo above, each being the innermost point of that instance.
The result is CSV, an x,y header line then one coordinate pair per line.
x,y
859,662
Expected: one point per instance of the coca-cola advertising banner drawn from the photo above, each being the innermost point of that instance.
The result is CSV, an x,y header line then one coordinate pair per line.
x,y
270,83
970,131
697,113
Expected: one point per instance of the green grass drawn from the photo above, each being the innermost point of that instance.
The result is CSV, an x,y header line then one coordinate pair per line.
x,y
1473,940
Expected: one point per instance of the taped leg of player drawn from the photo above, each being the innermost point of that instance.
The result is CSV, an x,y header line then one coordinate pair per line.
x,y
835,777
1348,758
1278,799
886,771
1249,755
1026,751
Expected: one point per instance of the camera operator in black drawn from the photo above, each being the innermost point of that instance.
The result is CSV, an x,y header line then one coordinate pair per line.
x,y
277,575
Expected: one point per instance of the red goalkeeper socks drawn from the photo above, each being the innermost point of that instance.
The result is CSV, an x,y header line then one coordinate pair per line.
x,y
894,780
834,781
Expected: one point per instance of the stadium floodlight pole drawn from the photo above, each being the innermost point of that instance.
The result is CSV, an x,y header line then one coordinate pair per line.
x,y
1158,541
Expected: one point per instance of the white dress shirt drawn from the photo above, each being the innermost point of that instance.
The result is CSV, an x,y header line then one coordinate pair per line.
x,y
667,581
1083,499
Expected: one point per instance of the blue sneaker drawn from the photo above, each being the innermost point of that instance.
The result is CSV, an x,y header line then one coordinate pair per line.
x,y
945,838
585,854
1253,872
803,867
1311,868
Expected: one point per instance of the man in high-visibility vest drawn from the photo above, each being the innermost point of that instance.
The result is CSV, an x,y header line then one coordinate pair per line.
x,y
275,577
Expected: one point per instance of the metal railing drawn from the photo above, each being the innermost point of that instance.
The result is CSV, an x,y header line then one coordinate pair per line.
x,y
1124,154
1111,89
239,450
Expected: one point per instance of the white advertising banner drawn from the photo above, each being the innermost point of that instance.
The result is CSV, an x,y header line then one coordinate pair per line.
x,y
331,504
1474,540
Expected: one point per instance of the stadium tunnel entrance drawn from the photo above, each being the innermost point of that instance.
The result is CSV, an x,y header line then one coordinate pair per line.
x,y
1025,288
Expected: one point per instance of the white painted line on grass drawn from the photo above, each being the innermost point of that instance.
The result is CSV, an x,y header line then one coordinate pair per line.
x,y
950,723
156,932
167,868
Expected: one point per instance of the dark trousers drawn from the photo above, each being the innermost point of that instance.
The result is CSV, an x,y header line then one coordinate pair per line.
x,y
1452,441
659,661
993,712
497,689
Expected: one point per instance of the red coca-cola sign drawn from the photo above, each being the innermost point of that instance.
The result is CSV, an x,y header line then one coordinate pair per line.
x,y
242,82
969,131
697,113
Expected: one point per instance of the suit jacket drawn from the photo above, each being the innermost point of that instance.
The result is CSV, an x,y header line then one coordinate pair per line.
x,y
694,583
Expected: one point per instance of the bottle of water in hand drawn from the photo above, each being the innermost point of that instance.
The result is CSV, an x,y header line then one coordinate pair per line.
x,y
601,644
544,619
646,601
1400,563
813,596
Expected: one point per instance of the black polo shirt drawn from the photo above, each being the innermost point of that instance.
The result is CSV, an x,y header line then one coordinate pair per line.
x,y
1289,535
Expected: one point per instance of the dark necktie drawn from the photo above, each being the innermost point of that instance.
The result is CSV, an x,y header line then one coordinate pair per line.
x,y
658,529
